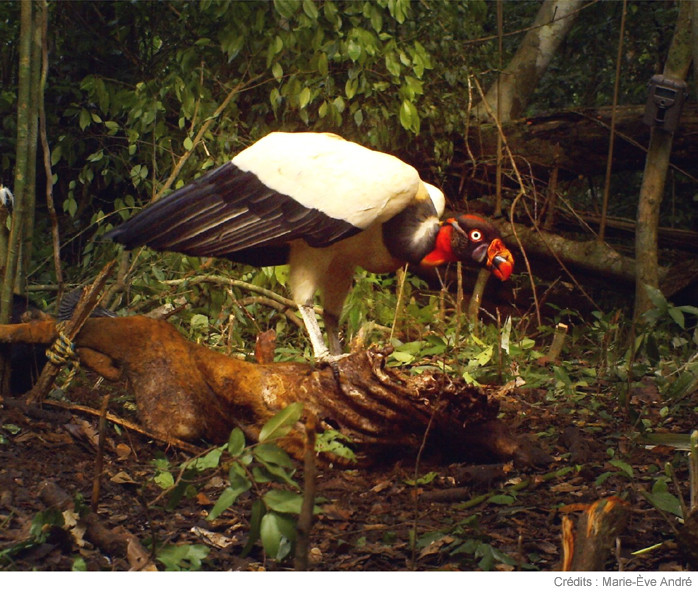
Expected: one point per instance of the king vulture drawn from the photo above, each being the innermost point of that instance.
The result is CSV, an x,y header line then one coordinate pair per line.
x,y
323,205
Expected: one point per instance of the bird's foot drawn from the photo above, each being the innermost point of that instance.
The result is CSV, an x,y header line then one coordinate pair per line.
x,y
328,359
331,360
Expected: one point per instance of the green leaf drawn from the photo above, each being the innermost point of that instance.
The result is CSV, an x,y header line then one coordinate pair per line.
x,y
304,98
501,499
402,357
112,126
56,154
209,461
409,118
682,442
322,65
281,423
199,322
51,517
183,557
283,501
238,485
164,479
339,104
188,144
281,274
276,462
85,119
330,442
277,533
399,9
427,478
484,356
413,87
392,65
256,515
13,429
677,315
236,442
270,453
275,98
353,50
95,157
277,71
376,18
286,8
665,501
310,9
70,206
626,468
322,110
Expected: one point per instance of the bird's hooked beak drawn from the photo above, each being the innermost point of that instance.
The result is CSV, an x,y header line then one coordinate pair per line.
x,y
499,260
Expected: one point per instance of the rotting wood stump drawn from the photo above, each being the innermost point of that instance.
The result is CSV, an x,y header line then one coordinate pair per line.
x,y
186,391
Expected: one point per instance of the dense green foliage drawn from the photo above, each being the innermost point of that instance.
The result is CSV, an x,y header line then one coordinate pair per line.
x,y
144,96
137,88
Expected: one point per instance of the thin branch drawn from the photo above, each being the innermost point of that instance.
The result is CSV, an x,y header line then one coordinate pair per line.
x,y
199,136
114,419
226,281
611,140
305,517
99,461
55,233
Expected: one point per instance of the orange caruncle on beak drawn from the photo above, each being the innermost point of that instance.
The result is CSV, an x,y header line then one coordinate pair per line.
x,y
499,260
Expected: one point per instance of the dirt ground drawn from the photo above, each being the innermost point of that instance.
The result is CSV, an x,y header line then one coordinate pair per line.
x,y
492,516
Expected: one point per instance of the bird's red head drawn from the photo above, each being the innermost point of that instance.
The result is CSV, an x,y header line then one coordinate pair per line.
x,y
469,238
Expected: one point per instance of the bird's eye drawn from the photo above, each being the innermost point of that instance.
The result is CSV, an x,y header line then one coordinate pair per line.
x,y
475,236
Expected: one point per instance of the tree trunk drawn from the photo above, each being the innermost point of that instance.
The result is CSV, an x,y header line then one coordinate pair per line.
x,y
694,42
25,254
656,165
519,79
24,110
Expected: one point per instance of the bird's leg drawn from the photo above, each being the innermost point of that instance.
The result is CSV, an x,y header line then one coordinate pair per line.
x,y
335,288
332,330
320,350
322,354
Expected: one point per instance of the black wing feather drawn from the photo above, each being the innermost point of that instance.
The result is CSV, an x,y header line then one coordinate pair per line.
x,y
229,212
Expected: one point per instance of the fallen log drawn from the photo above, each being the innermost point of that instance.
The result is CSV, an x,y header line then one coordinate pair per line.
x,y
576,141
186,391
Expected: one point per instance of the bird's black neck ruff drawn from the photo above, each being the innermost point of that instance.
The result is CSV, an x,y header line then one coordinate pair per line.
x,y
410,235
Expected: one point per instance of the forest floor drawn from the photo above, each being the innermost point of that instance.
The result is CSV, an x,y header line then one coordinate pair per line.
x,y
491,517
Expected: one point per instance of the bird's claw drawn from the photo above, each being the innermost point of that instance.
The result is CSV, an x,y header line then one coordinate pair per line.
x,y
331,360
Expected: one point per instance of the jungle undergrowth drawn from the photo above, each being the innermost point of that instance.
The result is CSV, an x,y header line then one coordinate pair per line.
x,y
606,381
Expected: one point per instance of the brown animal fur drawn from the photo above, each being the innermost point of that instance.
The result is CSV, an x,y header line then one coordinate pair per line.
x,y
187,391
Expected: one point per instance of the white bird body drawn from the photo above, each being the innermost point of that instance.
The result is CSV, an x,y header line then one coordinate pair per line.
x,y
366,186
323,205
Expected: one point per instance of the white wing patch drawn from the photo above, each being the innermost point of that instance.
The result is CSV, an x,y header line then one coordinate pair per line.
x,y
342,179
437,197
